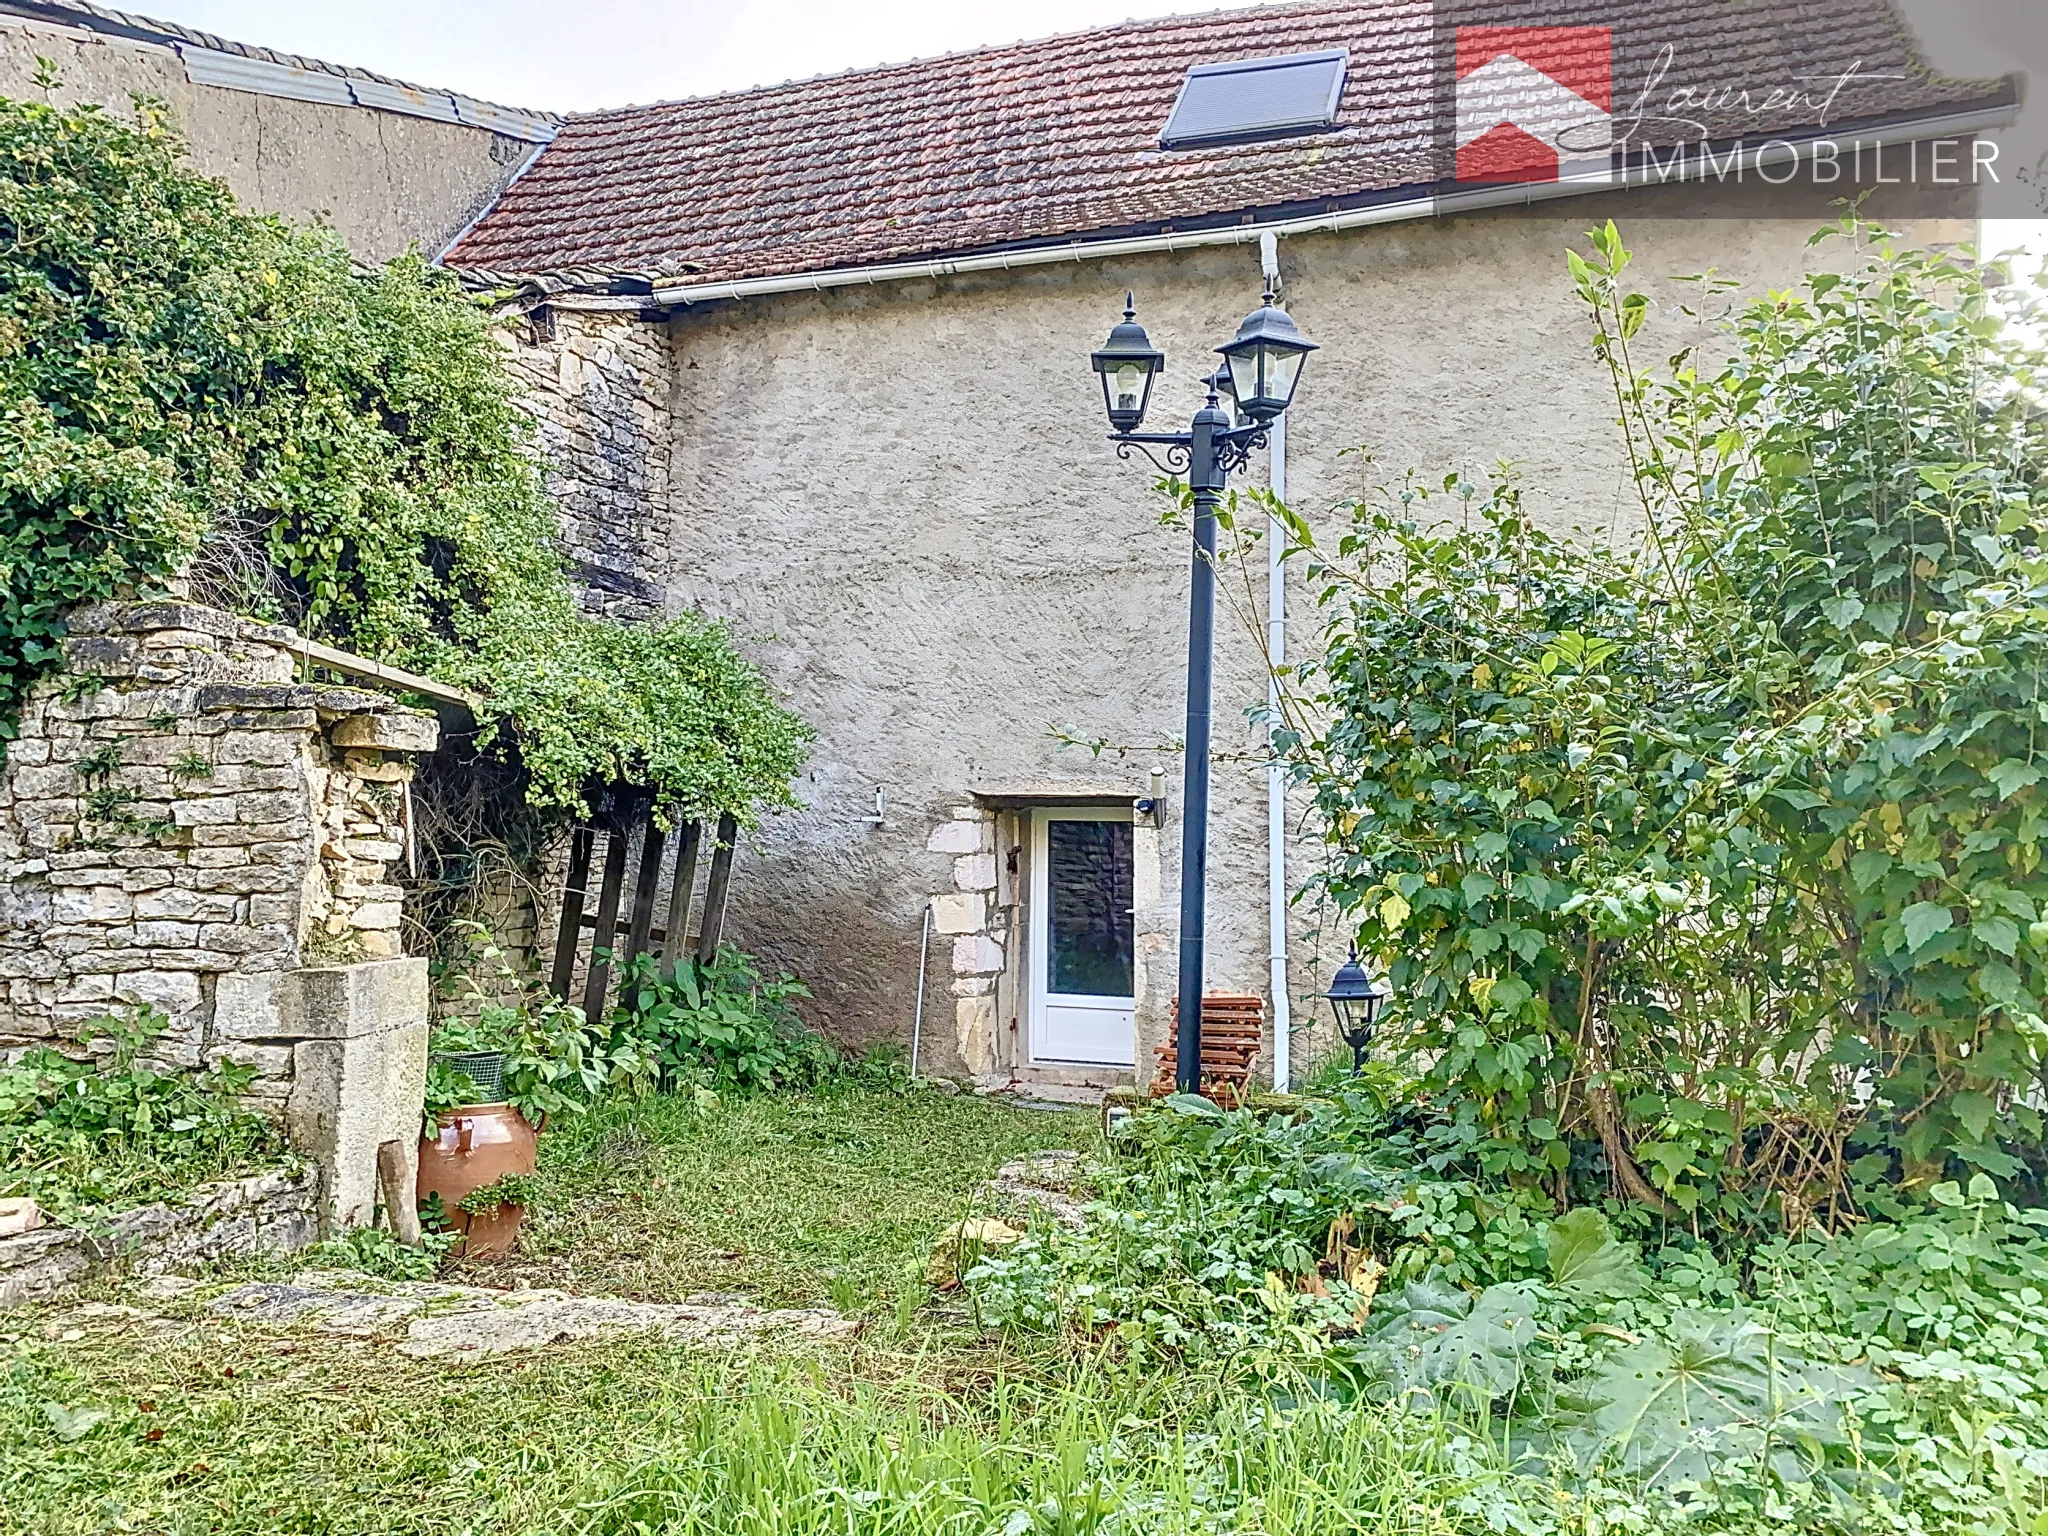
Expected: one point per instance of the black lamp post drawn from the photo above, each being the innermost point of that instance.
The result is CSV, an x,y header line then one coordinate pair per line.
x,y
1264,360
1356,1002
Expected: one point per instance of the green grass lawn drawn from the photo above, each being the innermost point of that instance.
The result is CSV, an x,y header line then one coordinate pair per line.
x,y
207,1424
216,1427
826,1198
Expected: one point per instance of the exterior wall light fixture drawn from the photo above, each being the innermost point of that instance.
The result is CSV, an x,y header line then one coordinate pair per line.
x,y
1265,358
1128,363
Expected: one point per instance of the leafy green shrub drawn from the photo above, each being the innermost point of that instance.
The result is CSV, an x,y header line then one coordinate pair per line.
x,y
717,1024
555,1062
99,1135
1675,851
520,1189
1202,1208
1896,1374
183,381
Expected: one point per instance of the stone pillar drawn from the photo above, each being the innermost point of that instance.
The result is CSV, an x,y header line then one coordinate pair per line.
x,y
359,1078
969,920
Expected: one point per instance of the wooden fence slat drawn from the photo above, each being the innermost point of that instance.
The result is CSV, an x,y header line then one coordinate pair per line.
x,y
569,934
715,890
675,937
616,840
651,842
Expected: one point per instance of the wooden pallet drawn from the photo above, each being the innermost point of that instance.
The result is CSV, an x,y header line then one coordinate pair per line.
x,y
1233,1033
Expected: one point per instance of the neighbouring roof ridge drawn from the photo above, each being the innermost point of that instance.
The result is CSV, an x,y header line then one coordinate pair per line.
x,y
147,29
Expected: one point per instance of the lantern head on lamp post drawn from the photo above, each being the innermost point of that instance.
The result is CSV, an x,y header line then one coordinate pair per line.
x,y
1225,391
1128,363
1355,1000
1265,360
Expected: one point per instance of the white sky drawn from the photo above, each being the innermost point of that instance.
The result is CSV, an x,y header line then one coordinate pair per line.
x,y
574,55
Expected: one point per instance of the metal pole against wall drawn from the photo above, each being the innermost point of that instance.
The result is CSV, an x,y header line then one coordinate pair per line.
x,y
1276,771
1205,475
924,949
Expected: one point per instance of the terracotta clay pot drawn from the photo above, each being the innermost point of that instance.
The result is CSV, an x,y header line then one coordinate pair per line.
x,y
478,1144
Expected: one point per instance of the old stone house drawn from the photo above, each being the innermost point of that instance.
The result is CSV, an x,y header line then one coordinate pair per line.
x,y
813,359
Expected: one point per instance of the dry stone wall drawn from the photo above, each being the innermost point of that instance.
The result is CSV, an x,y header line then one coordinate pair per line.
x,y
597,384
275,1212
180,817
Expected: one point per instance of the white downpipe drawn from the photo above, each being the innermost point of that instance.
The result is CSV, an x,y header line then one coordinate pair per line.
x,y
1276,775
924,949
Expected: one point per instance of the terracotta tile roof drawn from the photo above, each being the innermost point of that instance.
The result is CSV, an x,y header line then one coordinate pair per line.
x,y
1056,139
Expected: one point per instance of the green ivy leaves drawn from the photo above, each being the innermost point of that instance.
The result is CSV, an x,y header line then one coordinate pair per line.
x,y
188,386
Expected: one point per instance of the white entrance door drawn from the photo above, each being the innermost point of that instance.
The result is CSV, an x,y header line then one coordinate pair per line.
x,y
1082,951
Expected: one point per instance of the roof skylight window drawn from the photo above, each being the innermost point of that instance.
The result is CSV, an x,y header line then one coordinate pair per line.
x,y
1256,99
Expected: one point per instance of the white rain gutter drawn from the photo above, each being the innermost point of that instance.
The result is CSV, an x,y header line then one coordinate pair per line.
x,y
1771,153
1276,773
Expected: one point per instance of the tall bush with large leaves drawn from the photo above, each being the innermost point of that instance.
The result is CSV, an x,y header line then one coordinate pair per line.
x,y
186,385
1705,865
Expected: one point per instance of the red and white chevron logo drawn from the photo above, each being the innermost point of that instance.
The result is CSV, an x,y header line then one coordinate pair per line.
x,y
1534,103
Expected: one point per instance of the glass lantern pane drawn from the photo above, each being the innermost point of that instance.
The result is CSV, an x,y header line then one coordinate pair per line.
x,y
1244,374
1283,369
1127,388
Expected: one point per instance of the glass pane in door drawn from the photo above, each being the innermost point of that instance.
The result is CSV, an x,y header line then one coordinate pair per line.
x,y
1088,917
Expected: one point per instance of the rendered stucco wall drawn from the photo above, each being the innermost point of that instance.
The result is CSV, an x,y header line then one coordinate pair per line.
x,y
902,495
381,179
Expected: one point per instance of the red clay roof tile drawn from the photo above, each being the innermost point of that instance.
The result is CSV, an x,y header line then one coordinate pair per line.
x,y
1059,139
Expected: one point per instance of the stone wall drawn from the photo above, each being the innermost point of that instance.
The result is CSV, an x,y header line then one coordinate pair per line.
x,y
597,384
179,816
971,930
274,1212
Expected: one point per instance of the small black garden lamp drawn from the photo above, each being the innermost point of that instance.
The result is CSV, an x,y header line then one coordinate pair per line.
x,y
1264,365
1355,1000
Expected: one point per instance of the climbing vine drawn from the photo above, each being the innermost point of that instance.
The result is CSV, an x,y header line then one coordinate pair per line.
x,y
189,387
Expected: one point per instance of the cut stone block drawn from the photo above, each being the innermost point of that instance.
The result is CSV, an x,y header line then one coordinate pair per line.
x,y
961,912
976,955
955,837
388,731
359,1077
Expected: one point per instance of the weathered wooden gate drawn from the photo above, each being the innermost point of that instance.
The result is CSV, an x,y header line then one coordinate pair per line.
x,y
631,851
